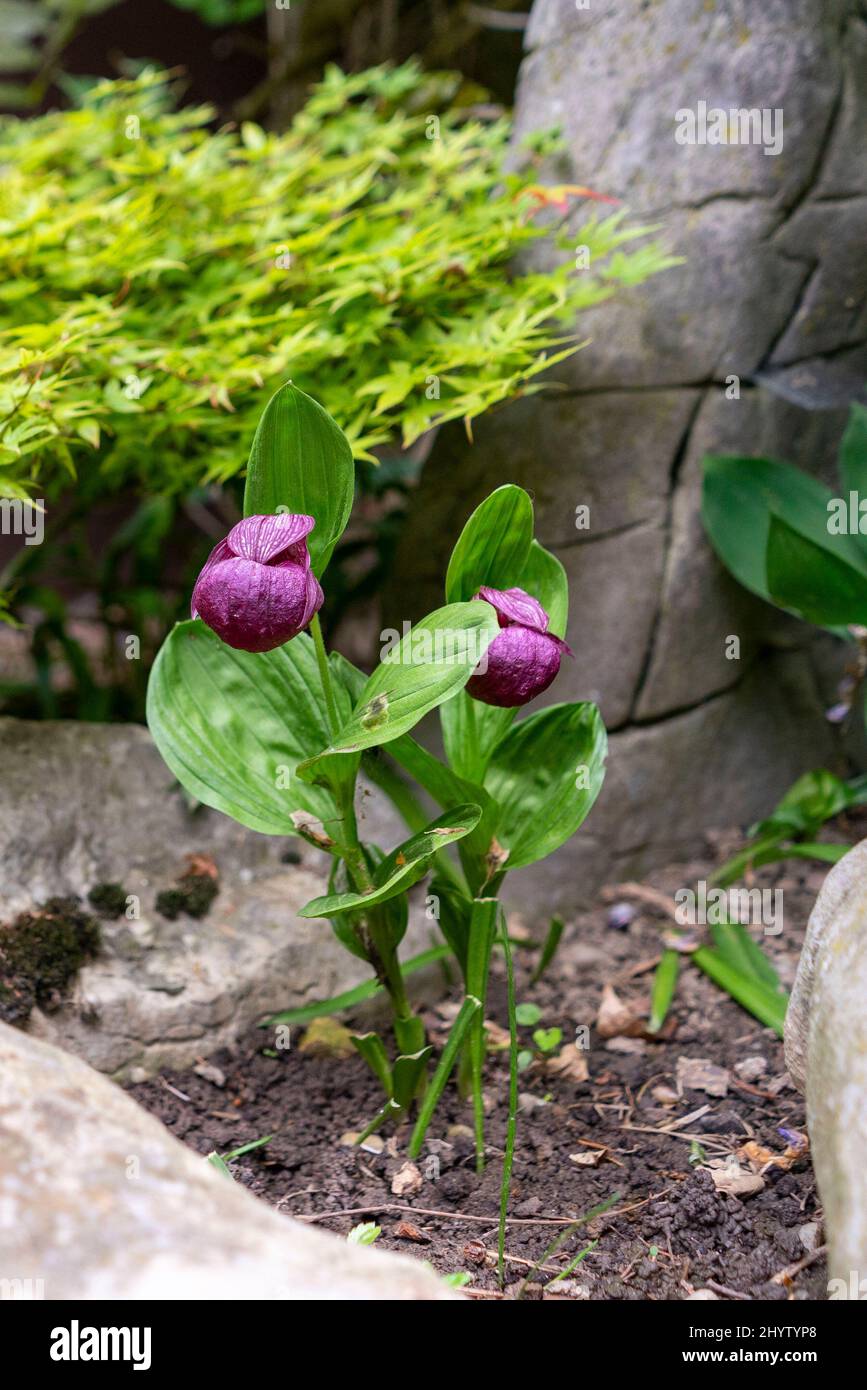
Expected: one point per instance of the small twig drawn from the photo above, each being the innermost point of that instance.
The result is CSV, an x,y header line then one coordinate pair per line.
x,y
783,1276
727,1292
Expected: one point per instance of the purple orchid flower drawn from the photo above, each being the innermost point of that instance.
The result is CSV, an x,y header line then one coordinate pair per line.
x,y
256,589
523,658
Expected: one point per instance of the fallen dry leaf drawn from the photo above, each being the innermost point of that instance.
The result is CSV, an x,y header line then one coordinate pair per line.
x,y
570,1063
729,1177
615,1018
590,1159
407,1181
701,1074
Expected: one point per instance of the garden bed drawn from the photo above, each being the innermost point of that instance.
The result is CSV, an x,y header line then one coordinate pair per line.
x,y
670,1232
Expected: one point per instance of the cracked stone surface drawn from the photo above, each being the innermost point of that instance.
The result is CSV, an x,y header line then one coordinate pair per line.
x,y
99,1201
82,804
826,1054
771,292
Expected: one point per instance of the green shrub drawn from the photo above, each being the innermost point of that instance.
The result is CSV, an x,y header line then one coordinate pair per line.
x,y
158,277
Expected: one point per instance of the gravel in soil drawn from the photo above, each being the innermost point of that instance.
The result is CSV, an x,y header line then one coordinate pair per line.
x,y
625,1129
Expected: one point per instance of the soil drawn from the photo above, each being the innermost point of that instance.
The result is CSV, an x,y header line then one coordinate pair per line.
x,y
670,1231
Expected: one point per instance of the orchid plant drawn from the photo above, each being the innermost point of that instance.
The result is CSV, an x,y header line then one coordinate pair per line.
x,y
255,718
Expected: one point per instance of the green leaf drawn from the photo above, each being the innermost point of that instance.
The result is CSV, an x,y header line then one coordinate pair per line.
x,y
765,1004
664,984
233,725
738,498
492,549
372,1049
545,776
403,867
408,1072
852,461
301,461
471,732
819,586
431,663
447,788
544,577
467,1012
528,1014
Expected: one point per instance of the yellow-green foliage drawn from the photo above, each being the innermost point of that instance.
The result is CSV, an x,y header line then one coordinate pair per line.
x,y
159,280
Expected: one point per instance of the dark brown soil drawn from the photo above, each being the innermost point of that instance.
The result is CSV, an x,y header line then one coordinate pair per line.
x,y
670,1233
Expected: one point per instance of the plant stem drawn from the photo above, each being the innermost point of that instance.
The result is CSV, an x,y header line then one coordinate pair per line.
x,y
483,925
509,1153
324,674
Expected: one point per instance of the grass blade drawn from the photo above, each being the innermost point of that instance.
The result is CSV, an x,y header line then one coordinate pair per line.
x,y
468,1011
763,1003
664,984
549,950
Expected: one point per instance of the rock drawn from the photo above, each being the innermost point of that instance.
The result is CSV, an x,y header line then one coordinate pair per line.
x,y
744,348
84,804
99,1201
826,1055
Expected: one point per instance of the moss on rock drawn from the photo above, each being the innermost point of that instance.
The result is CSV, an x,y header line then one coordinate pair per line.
x,y
40,952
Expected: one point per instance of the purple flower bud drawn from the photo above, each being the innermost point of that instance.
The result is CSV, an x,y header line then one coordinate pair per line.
x,y
523,658
256,589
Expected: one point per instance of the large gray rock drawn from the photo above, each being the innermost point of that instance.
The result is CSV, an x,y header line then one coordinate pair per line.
x,y
99,1201
826,1053
771,293
82,804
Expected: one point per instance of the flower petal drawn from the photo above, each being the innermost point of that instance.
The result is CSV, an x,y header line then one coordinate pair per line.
x,y
220,552
267,538
257,607
515,606
519,664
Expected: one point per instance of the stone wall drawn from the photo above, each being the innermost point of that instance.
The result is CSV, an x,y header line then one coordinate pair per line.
x,y
771,291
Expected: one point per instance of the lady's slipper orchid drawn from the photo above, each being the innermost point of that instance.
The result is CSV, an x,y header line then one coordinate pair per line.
x,y
256,589
523,658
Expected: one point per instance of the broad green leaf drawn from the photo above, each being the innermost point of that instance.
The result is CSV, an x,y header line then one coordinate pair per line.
x,y
811,801
852,461
233,725
471,732
403,867
493,546
819,586
738,498
544,577
545,776
431,663
301,461
447,789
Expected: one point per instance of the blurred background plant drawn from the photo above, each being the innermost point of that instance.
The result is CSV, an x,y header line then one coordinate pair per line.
x,y
161,278
253,59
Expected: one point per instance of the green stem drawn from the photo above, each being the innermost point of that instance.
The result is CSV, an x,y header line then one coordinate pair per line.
x,y
324,674
509,1154
483,925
